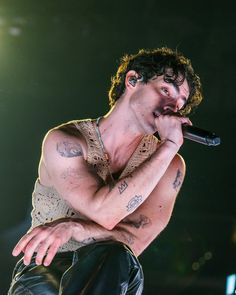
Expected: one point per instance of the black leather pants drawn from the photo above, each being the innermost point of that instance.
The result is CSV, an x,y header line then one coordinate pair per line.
x,y
102,268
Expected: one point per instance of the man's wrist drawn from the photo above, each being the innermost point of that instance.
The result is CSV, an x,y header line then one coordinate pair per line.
x,y
170,143
77,230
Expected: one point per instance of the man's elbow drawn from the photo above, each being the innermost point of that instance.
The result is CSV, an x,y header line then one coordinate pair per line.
x,y
106,216
107,222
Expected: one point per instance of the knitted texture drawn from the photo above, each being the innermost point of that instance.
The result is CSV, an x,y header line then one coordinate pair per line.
x,y
49,205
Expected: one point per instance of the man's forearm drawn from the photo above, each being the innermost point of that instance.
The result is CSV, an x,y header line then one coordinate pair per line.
x,y
108,209
88,231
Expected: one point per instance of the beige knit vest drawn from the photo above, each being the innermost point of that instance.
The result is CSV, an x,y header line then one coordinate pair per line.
x,y
49,205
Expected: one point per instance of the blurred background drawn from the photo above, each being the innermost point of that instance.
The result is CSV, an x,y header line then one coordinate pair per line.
x,y
56,61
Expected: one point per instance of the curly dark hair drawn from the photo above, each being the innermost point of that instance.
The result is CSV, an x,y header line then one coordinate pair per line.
x,y
156,62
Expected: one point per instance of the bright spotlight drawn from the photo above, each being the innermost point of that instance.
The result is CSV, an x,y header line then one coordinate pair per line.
x,y
231,284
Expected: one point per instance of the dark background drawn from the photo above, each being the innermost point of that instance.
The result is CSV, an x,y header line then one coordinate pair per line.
x,y
56,60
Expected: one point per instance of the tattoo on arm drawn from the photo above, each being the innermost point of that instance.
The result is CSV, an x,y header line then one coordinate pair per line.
x,y
178,180
134,203
141,222
122,187
69,149
126,237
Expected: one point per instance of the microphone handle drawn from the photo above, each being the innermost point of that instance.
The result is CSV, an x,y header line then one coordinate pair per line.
x,y
200,136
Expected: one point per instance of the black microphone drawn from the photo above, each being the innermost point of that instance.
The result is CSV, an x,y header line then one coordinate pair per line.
x,y
200,136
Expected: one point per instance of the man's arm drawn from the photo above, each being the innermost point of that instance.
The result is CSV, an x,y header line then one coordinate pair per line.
x,y
154,214
46,239
138,230
80,186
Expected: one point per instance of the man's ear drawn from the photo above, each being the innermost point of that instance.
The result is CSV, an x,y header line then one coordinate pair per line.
x,y
131,79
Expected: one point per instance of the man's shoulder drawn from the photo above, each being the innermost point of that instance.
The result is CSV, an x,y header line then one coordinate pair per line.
x,y
70,128
69,132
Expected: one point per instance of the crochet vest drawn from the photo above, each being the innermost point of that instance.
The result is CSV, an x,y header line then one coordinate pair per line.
x,y
49,205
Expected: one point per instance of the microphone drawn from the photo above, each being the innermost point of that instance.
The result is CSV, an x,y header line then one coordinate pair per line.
x,y
200,136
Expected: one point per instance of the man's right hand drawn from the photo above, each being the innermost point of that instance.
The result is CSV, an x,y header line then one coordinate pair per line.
x,y
45,240
169,127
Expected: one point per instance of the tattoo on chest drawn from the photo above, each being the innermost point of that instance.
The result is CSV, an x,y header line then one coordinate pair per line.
x,y
69,149
122,187
134,203
178,180
140,222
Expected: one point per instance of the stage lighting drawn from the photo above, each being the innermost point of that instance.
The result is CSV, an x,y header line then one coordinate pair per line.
x,y
231,284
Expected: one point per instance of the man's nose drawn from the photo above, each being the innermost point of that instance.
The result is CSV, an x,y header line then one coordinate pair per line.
x,y
173,105
172,108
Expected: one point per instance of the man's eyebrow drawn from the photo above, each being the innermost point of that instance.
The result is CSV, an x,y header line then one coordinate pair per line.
x,y
175,85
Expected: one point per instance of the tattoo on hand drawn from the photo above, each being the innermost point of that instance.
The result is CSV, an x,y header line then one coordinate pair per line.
x,y
134,203
141,222
69,149
178,180
122,187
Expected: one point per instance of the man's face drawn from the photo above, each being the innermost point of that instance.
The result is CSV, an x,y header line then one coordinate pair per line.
x,y
158,97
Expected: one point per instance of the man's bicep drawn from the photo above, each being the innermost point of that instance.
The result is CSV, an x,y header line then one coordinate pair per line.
x,y
69,173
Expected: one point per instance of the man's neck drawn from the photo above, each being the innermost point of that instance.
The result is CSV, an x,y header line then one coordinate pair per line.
x,y
120,133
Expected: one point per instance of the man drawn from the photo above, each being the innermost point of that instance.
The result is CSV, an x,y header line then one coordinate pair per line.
x,y
107,187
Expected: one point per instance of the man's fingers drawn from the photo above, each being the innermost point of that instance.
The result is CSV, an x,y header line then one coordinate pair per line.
x,y
185,120
33,245
42,251
52,252
45,240
20,246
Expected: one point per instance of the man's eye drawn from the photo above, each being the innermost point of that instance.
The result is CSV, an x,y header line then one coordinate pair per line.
x,y
165,90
